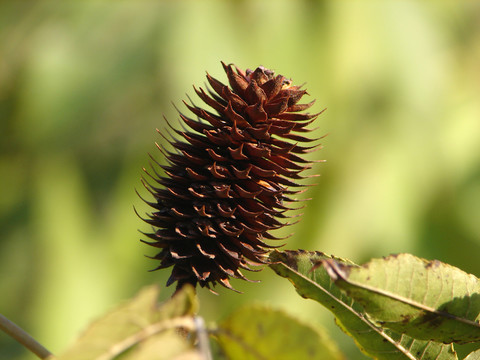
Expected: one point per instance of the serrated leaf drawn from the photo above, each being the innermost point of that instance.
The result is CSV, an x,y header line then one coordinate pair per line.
x,y
314,283
428,300
261,333
133,323
475,355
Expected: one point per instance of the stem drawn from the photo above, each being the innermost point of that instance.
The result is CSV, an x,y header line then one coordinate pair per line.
x,y
202,336
23,338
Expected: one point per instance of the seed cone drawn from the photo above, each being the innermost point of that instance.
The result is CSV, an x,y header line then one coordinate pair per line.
x,y
227,180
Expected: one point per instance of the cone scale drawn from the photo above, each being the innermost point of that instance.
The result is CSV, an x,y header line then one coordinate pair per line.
x,y
228,178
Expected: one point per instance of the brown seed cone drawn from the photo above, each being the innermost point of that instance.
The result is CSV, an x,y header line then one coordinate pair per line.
x,y
226,182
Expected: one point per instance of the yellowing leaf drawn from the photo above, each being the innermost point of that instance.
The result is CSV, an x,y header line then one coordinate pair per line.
x,y
473,355
140,326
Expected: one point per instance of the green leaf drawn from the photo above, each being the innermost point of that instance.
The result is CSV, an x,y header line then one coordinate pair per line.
x,y
139,328
313,282
261,333
428,300
475,355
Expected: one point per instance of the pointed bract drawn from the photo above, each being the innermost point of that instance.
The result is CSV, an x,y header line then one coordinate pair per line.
x,y
227,178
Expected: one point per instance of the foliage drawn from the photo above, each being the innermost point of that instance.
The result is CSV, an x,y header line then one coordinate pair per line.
x,y
141,329
398,307
282,336
314,282
427,300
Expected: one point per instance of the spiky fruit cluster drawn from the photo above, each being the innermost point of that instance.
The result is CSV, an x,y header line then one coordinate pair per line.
x,y
226,183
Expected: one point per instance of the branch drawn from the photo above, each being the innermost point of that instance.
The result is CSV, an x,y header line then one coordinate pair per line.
x,y
23,338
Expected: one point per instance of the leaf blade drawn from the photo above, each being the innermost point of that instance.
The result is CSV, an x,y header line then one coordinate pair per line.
x,y
428,300
380,344
475,355
134,322
282,337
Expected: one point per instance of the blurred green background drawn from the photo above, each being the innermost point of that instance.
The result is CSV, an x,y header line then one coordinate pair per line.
x,y
83,85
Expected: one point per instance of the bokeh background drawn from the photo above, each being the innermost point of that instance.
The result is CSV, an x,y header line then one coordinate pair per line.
x,y
83,85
